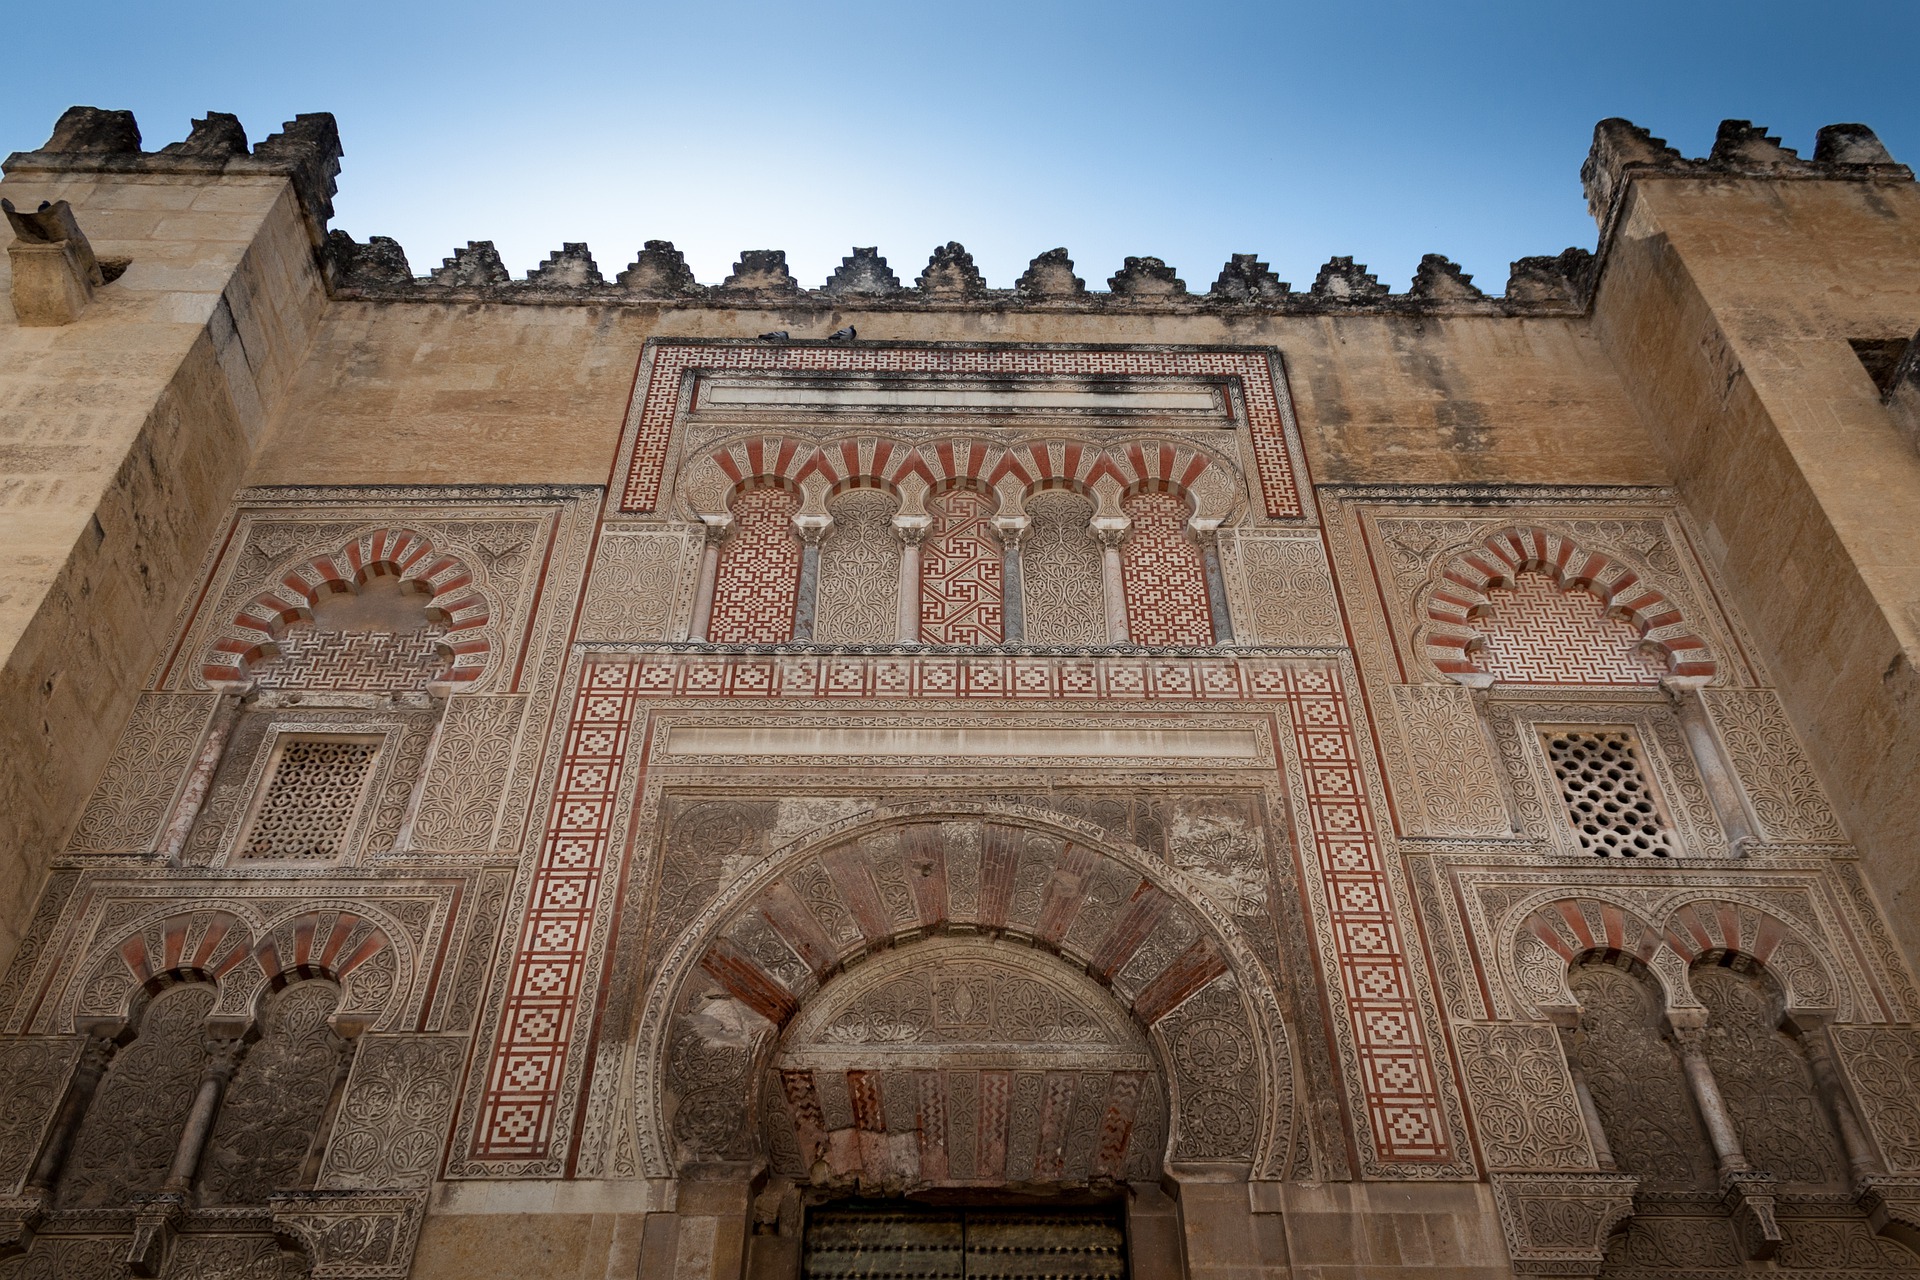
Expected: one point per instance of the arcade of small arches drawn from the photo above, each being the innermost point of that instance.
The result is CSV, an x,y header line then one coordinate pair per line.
x,y
212,1057
1698,1051
867,541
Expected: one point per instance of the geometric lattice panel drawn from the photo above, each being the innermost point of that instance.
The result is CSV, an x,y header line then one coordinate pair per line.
x,y
1165,581
1608,796
757,581
549,972
1539,634
313,789
960,571
1382,1009
357,661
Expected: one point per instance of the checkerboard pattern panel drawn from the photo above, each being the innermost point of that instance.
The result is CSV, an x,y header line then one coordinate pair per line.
x,y
1164,582
1376,980
757,581
1538,634
650,423
544,992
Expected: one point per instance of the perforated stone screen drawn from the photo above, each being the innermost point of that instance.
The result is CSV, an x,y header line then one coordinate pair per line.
x,y
307,804
1608,795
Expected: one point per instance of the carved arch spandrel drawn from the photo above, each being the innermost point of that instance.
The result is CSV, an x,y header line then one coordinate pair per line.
x,y
1547,932
1040,898
243,954
452,595
1457,597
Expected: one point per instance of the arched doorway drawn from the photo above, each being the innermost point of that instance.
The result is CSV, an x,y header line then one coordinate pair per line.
x,y
979,1009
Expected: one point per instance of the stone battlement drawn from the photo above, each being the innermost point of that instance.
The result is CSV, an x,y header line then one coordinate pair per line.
x,y
88,139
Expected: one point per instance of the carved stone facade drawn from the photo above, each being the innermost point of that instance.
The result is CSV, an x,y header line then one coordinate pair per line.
x,y
1052,755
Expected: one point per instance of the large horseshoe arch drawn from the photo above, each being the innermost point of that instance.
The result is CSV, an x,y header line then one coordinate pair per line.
x,y
986,996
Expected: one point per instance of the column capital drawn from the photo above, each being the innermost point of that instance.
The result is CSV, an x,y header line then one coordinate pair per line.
x,y
1110,531
1204,532
912,530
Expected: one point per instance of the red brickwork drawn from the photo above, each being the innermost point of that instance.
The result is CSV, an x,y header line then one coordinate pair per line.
x,y
988,675
1378,1006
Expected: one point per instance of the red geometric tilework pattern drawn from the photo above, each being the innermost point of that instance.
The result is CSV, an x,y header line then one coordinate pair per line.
x,y
1166,586
354,661
1376,980
960,571
653,414
758,578
693,675
1538,634
544,992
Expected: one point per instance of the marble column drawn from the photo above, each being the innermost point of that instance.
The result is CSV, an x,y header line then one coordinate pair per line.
x,y
912,531
716,530
1110,532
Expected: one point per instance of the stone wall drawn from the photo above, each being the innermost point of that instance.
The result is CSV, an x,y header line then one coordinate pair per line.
x,y
1459,838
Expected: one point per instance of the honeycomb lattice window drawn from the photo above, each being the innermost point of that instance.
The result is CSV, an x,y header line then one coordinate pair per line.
x,y
312,792
1609,797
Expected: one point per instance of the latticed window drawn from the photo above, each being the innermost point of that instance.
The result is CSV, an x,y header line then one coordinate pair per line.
x,y
1608,794
313,789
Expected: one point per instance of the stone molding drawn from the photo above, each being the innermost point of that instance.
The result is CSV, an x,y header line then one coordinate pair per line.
x,y
1559,1224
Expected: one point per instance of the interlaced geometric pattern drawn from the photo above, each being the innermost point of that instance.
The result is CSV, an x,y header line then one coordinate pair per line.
x,y
1608,799
1376,980
650,419
758,578
960,582
354,661
313,789
550,962
1166,583
1538,634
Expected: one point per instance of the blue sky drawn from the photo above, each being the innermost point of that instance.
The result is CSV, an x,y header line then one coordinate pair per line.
x,y
1381,130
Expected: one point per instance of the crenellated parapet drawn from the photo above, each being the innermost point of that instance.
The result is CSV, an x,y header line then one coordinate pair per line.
x,y
1623,152
92,140
761,278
